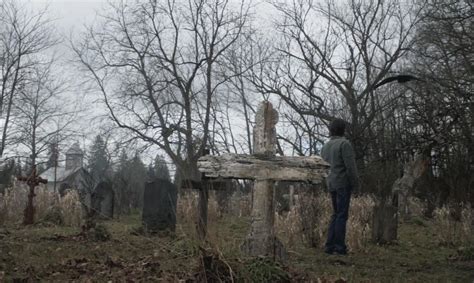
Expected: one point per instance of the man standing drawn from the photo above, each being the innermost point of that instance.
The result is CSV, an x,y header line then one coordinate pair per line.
x,y
342,180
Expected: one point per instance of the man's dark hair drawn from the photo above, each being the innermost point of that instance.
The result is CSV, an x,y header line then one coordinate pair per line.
x,y
337,127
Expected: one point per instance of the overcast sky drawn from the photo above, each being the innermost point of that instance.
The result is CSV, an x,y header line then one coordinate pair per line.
x,y
69,17
70,13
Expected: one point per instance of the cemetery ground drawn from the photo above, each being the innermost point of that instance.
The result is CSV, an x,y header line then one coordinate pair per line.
x,y
48,252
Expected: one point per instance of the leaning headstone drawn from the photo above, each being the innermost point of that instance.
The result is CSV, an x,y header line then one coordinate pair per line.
x,y
386,213
159,206
102,200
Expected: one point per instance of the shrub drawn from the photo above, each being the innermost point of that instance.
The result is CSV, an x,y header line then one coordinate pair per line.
x,y
54,215
263,270
100,233
466,254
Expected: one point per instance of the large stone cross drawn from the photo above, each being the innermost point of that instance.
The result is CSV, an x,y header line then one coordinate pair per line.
x,y
265,168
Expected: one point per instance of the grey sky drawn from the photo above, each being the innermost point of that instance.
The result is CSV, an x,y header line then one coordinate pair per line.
x,y
70,13
70,16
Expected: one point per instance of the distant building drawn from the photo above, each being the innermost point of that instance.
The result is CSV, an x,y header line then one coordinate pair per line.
x,y
98,196
72,175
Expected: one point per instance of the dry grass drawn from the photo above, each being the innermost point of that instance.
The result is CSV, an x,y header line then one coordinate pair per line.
x,y
308,221
72,209
49,253
451,231
186,209
13,202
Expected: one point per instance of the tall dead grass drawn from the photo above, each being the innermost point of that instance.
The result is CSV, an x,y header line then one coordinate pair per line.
x,y
307,221
452,231
14,199
187,212
309,218
186,209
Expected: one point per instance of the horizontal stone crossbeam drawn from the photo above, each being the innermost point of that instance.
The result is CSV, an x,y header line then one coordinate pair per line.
x,y
277,168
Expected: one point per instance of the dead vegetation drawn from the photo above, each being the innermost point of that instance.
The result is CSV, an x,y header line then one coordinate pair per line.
x,y
308,221
427,250
49,206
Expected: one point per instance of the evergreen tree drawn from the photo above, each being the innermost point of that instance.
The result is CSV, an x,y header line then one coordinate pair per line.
x,y
122,186
160,168
98,159
53,155
151,175
122,163
136,175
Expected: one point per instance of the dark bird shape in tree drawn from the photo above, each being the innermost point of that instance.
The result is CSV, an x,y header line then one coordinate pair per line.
x,y
400,79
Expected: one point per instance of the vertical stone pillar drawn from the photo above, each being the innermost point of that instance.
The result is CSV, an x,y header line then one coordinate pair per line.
x,y
261,241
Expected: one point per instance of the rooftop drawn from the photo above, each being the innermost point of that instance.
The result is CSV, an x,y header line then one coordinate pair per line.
x,y
61,173
75,149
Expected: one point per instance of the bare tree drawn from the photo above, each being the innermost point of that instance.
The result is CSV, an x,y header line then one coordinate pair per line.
x,y
332,56
154,64
42,116
240,96
23,36
442,110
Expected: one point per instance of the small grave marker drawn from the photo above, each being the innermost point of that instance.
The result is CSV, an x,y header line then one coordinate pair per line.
x,y
102,200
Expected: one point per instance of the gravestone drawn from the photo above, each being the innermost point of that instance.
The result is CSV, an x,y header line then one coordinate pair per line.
x,y
7,168
264,168
102,200
223,190
159,206
386,213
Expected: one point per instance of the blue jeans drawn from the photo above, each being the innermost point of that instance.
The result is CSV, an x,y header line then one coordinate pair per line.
x,y
336,241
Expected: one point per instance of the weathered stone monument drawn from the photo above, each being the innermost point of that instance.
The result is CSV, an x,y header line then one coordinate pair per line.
x,y
265,168
102,200
159,206
385,217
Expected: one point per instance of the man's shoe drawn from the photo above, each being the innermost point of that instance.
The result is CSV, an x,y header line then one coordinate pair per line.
x,y
340,252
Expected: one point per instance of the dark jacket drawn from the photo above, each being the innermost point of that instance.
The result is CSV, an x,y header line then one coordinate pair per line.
x,y
339,154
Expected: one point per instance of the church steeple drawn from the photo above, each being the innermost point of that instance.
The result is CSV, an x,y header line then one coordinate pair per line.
x,y
74,157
